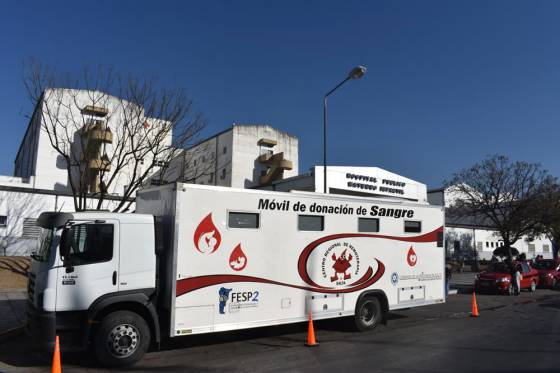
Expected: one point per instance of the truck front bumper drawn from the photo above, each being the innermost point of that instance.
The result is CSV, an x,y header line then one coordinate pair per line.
x,y
44,326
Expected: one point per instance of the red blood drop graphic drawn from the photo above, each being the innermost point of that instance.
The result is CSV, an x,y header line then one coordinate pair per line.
x,y
207,238
411,257
237,259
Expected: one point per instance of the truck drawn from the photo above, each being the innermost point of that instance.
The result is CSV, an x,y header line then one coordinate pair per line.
x,y
196,259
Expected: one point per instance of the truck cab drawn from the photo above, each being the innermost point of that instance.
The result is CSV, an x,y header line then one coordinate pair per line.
x,y
85,271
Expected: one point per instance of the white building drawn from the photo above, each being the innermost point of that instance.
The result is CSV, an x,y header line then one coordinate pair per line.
x,y
88,121
21,204
356,181
243,156
463,235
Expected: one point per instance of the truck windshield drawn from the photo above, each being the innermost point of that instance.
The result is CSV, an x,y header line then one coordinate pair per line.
x,y
45,240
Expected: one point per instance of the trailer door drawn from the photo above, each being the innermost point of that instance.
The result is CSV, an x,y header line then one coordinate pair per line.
x,y
90,269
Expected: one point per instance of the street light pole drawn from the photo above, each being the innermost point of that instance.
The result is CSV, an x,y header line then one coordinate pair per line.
x,y
355,73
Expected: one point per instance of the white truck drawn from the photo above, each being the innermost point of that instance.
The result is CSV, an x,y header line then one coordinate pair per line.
x,y
199,259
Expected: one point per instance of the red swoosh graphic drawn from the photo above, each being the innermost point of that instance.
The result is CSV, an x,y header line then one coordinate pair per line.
x,y
194,283
304,256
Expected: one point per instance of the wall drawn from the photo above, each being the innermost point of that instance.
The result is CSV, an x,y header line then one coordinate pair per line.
x,y
23,204
50,167
486,241
245,165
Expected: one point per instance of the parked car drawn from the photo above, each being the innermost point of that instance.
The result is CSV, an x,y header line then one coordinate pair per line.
x,y
548,270
497,278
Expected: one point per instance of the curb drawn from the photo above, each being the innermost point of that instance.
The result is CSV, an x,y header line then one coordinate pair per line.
x,y
13,332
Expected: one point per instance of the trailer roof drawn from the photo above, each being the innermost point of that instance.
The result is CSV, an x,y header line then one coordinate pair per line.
x,y
293,193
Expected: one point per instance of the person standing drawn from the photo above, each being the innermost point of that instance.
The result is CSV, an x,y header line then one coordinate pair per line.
x,y
518,277
448,269
513,273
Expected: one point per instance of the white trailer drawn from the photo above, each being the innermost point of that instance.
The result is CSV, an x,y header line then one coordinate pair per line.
x,y
198,259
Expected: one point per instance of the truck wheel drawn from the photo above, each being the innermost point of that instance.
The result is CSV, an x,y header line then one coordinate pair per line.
x,y
368,314
122,339
533,287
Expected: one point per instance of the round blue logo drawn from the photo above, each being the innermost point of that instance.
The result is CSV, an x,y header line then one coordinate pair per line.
x,y
394,278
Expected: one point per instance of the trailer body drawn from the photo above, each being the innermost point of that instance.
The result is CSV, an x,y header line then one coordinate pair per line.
x,y
248,258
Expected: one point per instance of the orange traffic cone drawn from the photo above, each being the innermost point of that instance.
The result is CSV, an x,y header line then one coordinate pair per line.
x,y
311,342
474,306
56,368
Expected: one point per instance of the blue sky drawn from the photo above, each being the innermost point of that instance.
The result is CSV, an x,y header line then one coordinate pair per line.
x,y
448,82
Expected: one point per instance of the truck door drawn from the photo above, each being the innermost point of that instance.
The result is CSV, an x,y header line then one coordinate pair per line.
x,y
90,267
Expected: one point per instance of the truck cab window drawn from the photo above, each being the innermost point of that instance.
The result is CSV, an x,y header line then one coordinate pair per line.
x,y
90,243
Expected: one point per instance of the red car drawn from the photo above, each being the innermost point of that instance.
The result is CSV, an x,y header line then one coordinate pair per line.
x,y
548,269
497,278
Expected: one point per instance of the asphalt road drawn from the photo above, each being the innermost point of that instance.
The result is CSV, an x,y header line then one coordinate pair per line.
x,y
512,334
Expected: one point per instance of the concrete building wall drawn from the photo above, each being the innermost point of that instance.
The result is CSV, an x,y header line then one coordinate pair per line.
x,y
20,205
246,152
230,158
465,240
38,158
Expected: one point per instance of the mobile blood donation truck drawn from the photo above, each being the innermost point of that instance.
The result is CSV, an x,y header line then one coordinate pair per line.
x,y
199,259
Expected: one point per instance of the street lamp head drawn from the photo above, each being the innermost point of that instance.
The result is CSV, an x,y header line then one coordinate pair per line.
x,y
357,72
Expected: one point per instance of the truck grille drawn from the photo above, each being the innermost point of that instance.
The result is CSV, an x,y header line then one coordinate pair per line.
x,y
30,286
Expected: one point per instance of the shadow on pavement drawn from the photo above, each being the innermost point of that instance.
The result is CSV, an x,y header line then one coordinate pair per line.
x,y
19,351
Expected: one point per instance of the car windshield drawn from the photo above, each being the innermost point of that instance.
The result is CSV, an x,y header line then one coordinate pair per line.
x,y
45,240
498,267
543,264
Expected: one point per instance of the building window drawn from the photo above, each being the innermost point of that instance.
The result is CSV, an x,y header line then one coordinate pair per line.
x,y
203,159
30,228
491,244
368,225
412,226
531,247
479,246
311,223
224,150
3,220
487,244
243,220
211,179
546,248
223,175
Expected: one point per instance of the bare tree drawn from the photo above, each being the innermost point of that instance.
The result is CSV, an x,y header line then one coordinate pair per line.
x,y
112,131
513,196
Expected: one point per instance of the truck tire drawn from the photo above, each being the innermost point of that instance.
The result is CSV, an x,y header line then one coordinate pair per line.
x,y
123,337
368,313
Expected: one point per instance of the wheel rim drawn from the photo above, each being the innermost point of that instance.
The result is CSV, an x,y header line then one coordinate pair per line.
x,y
123,340
368,314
